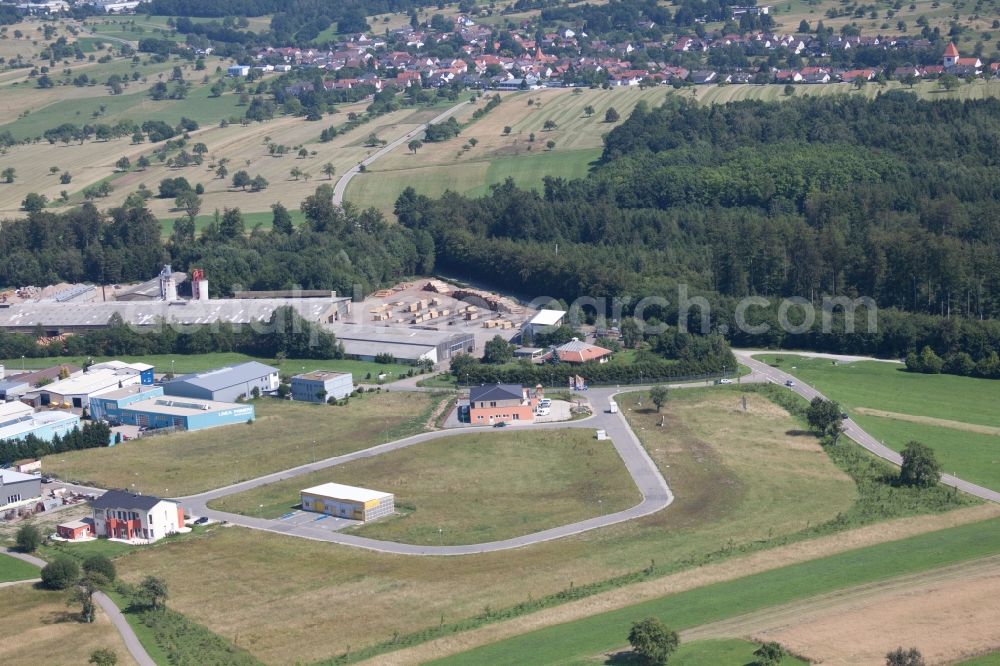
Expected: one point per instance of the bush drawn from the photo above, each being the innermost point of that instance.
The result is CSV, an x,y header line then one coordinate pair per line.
x,y
100,565
60,573
28,538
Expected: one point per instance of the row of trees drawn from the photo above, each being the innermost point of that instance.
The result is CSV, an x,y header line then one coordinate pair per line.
x,y
91,435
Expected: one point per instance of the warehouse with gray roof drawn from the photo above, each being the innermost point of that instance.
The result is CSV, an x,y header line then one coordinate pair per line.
x,y
226,384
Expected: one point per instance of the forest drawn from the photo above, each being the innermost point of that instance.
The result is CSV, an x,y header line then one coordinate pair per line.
x,y
894,199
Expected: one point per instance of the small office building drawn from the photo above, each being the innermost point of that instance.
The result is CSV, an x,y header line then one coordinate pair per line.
x,y
321,385
349,502
119,514
17,489
147,407
226,384
493,403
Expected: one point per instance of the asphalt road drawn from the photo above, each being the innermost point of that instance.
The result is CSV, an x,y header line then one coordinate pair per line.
x,y
341,187
852,429
656,494
121,624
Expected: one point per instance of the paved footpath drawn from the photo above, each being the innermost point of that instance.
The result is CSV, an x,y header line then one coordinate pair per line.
x,y
852,429
104,601
341,187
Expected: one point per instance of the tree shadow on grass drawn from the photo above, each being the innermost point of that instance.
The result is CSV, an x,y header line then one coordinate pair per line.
x,y
624,658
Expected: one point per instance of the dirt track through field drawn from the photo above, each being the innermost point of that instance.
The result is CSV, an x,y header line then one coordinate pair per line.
x,y
947,613
931,421
686,580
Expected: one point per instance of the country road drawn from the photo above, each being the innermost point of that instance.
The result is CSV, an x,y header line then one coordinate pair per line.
x,y
341,187
852,429
114,614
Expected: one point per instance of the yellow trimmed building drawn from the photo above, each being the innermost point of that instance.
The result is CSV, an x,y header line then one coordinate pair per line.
x,y
349,502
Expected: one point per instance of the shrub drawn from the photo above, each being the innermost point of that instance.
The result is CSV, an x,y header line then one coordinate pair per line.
x,y
60,573
28,538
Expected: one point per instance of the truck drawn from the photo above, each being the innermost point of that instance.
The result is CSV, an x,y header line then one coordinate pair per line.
x,y
614,408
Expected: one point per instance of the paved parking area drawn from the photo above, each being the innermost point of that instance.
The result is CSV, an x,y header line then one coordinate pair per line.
x,y
558,411
322,521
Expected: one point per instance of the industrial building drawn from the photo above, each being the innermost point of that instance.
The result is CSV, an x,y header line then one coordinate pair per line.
x,y
58,318
18,420
321,385
226,384
148,407
495,403
155,289
17,489
119,514
15,386
408,345
349,502
75,392
544,321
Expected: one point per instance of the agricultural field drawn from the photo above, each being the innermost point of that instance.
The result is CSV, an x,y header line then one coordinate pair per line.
x,y
592,637
719,653
956,416
472,488
39,622
284,435
458,166
974,20
181,364
741,480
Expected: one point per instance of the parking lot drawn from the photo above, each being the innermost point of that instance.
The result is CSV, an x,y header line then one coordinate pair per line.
x,y
298,518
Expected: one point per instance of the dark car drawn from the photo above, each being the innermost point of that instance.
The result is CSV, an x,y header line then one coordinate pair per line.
x,y
201,521
501,424
46,479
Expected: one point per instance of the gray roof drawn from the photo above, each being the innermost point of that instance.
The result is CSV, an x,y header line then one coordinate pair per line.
x,y
227,376
496,392
147,313
122,499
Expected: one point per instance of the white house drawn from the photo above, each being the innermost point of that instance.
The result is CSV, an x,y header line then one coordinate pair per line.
x,y
119,514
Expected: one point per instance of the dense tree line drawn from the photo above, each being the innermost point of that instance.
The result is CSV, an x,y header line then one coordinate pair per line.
x,y
91,435
893,199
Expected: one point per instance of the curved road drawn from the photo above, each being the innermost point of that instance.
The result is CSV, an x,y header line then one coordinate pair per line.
x,y
656,494
852,429
104,601
341,187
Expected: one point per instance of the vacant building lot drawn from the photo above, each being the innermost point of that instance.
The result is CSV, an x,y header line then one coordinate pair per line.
x,y
739,478
39,627
473,488
956,416
285,434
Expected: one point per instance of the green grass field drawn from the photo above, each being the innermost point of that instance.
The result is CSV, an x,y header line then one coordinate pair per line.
x,y
731,652
284,435
582,640
886,386
181,364
472,488
12,568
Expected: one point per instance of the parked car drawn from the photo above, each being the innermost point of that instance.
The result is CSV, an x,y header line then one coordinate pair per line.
x,y
46,479
543,411
725,380
500,424
789,383
201,521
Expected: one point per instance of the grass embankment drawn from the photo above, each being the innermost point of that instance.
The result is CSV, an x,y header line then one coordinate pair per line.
x,y
743,483
472,488
12,569
583,639
731,652
284,435
958,403
181,364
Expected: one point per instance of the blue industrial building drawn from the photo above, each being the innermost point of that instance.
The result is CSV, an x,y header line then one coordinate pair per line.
x,y
310,386
16,423
147,407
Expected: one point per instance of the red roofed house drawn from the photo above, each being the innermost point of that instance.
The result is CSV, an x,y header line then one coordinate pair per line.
x,y
576,351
